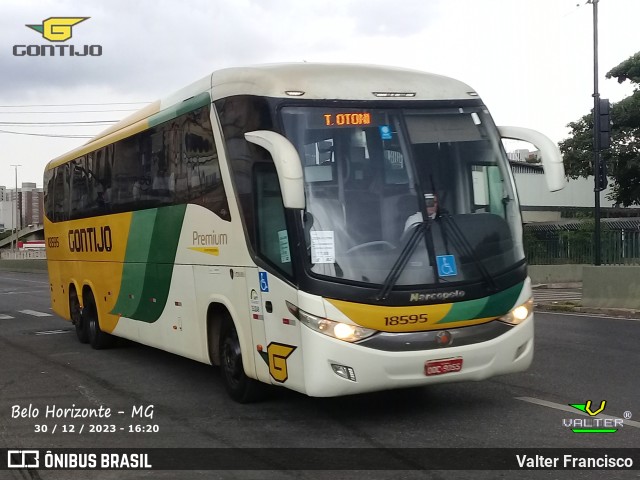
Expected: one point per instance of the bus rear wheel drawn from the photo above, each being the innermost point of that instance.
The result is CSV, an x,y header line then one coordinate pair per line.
x,y
97,338
76,317
238,385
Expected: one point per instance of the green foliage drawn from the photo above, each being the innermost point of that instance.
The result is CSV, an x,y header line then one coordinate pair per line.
x,y
534,247
627,70
583,236
623,158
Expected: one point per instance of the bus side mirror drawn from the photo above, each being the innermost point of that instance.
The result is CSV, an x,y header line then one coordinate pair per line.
x,y
551,157
287,162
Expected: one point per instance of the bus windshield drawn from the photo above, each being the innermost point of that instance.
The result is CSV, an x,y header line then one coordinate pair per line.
x,y
405,196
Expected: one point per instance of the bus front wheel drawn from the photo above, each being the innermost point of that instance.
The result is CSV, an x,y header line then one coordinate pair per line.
x,y
239,387
97,338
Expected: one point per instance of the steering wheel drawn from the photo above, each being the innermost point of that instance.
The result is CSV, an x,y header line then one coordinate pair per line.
x,y
371,244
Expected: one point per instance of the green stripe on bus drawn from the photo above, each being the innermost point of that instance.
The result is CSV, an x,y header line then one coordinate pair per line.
x,y
148,268
466,310
492,306
135,262
174,111
502,302
162,255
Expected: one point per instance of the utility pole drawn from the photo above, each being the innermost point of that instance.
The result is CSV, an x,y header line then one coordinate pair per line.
x,y
597,170
15,224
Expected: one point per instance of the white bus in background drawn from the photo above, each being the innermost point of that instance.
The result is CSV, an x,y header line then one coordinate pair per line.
x,y
259,220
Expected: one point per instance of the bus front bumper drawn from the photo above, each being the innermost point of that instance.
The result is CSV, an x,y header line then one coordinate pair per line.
x,y
374,370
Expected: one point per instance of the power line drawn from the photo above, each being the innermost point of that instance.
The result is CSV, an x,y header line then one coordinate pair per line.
x,y
87,123
45,135
73,111
71,104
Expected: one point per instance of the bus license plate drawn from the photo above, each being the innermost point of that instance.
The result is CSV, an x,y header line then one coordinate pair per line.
x,y
440,367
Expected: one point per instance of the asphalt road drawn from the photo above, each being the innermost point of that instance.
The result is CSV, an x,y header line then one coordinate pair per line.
x,y
578,358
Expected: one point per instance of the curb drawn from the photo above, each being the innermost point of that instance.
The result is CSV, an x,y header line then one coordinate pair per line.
x,y
557,285
568,307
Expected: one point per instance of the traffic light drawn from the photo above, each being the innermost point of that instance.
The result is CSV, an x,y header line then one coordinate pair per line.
x,y
602,180
604,125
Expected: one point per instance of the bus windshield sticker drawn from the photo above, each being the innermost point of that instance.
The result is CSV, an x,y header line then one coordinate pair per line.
x,y
447,265
385,132
283,239
323,249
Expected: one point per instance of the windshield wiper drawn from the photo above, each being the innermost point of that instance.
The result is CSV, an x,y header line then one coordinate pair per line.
x,y
399,265
464,246
401,261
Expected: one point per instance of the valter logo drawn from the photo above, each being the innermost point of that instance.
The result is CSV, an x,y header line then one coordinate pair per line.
x,y
593,424
57,29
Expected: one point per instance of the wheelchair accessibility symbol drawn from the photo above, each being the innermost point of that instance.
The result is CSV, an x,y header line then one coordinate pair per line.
x,y
446,265
264,283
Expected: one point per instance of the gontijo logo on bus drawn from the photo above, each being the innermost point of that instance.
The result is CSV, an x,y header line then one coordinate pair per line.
x,y
57,29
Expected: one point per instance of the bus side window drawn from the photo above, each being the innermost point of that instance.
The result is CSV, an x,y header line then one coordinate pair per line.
x,y
271,228
49,184
79,189
61,193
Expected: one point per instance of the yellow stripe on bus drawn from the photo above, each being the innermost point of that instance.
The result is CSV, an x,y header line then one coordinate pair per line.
x,y
402,319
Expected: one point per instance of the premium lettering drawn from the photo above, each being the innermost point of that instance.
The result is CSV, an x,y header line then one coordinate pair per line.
x,y
209,239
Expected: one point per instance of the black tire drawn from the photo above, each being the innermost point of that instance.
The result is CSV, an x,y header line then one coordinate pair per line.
x,y
76,317
97,338
240,388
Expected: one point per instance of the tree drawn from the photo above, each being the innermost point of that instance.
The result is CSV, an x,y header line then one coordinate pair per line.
x,y
623,158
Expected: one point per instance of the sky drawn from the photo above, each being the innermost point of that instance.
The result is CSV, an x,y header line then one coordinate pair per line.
x,y
531,61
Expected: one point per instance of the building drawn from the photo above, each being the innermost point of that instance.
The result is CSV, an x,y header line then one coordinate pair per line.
x,y
538,204
30,206
523,155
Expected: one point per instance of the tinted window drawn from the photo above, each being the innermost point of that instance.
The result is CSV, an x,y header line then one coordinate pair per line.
x,y
239,115
172,163
272,236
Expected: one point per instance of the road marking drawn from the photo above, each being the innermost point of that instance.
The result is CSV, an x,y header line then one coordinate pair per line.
x,y
51,332
35,314
5,317
18,292
22,280
592,315
88,393
568,408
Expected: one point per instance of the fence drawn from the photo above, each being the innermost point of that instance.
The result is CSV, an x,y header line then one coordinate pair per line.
x,y
617,247
23,254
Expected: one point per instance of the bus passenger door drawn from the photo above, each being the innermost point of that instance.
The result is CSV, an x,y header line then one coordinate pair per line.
x,y
280,349
258,334
279,352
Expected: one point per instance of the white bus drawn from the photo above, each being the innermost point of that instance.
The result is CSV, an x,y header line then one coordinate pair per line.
x,y
333,229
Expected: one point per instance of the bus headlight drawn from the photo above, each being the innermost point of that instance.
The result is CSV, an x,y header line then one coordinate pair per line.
x,y
518,314
339,330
